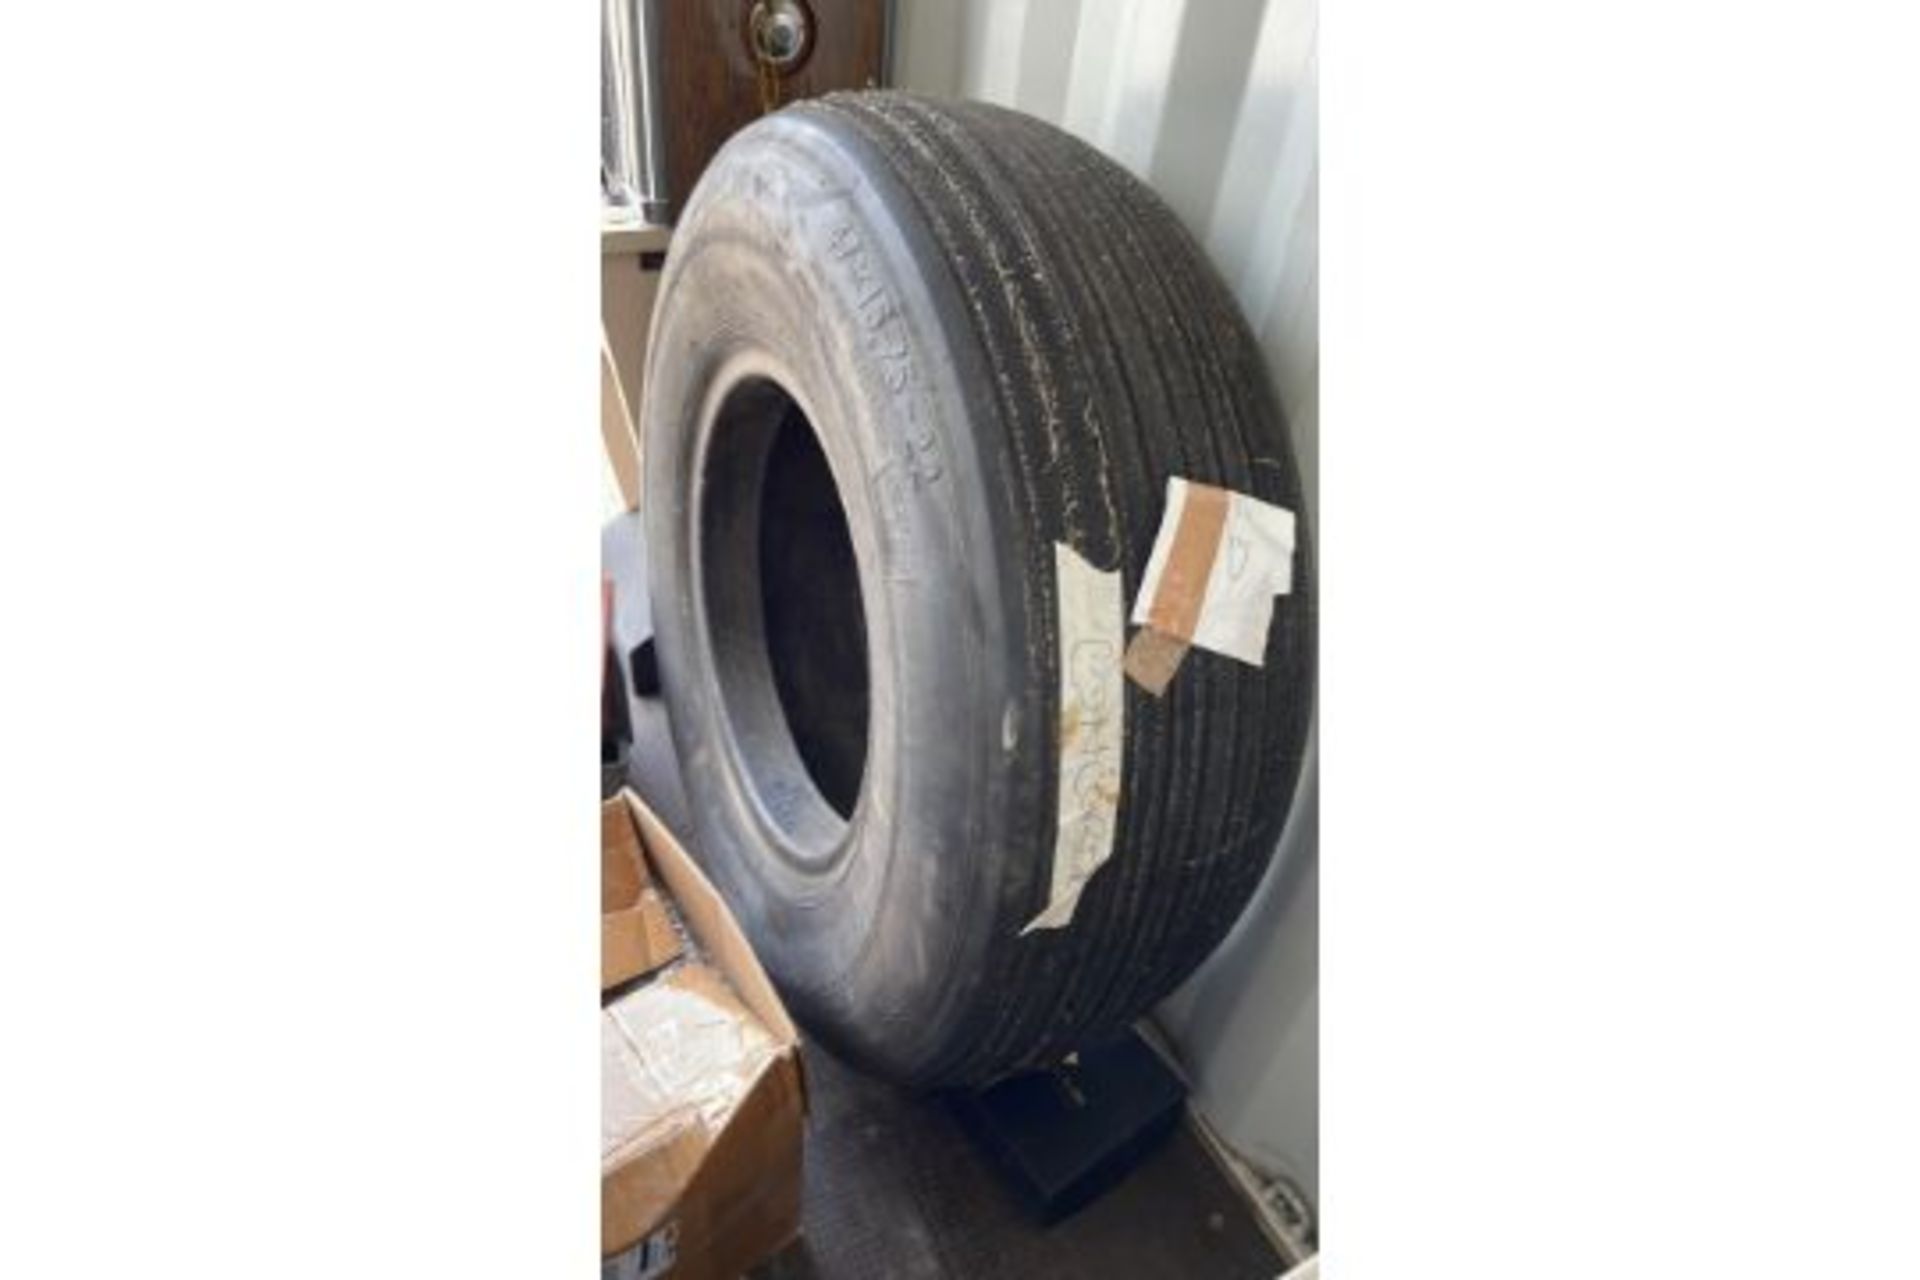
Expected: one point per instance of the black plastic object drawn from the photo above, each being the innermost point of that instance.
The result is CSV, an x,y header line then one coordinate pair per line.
x,y
644,669
623,561
1063,1135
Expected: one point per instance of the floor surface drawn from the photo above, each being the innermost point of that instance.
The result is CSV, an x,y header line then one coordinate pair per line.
x,y
895,1189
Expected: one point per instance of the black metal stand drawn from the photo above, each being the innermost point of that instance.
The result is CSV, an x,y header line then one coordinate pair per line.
x,y
1062,1136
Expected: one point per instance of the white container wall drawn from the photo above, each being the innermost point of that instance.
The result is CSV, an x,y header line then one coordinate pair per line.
x,y
1214,104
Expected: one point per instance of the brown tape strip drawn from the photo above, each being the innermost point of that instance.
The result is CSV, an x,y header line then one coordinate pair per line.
x,y
1152,659
1183,579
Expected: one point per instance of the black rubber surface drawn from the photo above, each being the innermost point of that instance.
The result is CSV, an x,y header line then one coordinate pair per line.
x,y
998,341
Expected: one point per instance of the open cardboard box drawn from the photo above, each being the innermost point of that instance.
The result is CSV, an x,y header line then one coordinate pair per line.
x,y
636,935
702,1095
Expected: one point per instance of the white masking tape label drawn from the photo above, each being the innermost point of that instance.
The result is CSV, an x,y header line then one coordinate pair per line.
x,y
1092,698
1252,562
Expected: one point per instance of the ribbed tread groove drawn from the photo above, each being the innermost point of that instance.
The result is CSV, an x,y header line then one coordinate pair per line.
x,y
1117,359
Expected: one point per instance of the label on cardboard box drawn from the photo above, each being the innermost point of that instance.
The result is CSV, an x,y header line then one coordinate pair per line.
x,y
648,1260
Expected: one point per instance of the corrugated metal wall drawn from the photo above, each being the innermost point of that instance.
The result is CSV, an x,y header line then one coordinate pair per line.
x,y
1214,104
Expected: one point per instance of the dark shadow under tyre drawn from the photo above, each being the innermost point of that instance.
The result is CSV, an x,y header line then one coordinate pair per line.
x,y
904,351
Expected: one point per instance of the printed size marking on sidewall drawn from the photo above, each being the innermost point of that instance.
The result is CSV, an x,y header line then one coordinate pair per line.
x,y
1091,729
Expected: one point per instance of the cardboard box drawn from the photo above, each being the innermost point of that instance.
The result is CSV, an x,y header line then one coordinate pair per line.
x,y
636,935
702,1094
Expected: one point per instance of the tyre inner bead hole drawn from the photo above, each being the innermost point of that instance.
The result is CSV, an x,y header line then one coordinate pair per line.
x,y
788,630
